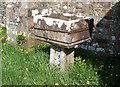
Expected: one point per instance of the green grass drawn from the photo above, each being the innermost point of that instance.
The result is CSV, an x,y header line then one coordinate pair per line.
x,y
21,67
106,66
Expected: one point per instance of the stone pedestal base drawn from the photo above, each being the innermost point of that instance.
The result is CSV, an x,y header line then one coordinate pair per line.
x,y
61,57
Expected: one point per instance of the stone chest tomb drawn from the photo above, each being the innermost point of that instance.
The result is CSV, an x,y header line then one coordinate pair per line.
x,y
62,30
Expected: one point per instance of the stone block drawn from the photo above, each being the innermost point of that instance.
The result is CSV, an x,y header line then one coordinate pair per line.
x,y
63,32
24,12
61,57
34,5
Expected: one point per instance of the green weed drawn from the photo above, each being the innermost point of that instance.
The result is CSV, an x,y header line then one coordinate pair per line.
x,y
32,68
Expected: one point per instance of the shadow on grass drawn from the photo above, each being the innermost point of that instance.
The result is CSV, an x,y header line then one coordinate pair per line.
x,y
107,66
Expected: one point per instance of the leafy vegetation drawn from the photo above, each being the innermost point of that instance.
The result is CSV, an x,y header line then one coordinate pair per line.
x,y
107,67
3,35
83,73
20,39
22,67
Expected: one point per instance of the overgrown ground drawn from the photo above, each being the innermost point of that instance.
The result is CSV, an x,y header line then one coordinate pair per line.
x,y
107,66
20,67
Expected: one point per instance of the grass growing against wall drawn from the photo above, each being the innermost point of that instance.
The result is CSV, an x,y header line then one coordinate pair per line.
x,y
3,35
21,67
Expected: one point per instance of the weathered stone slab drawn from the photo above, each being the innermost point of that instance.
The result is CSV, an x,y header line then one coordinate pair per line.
x,y
68,31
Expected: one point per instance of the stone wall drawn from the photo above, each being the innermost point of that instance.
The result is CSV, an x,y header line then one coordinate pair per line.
x,y
105,36
2,13
18,19
105,33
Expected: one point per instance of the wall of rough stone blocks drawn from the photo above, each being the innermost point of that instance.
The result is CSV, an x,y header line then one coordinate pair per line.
x,y
2,13
17,19
106,30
